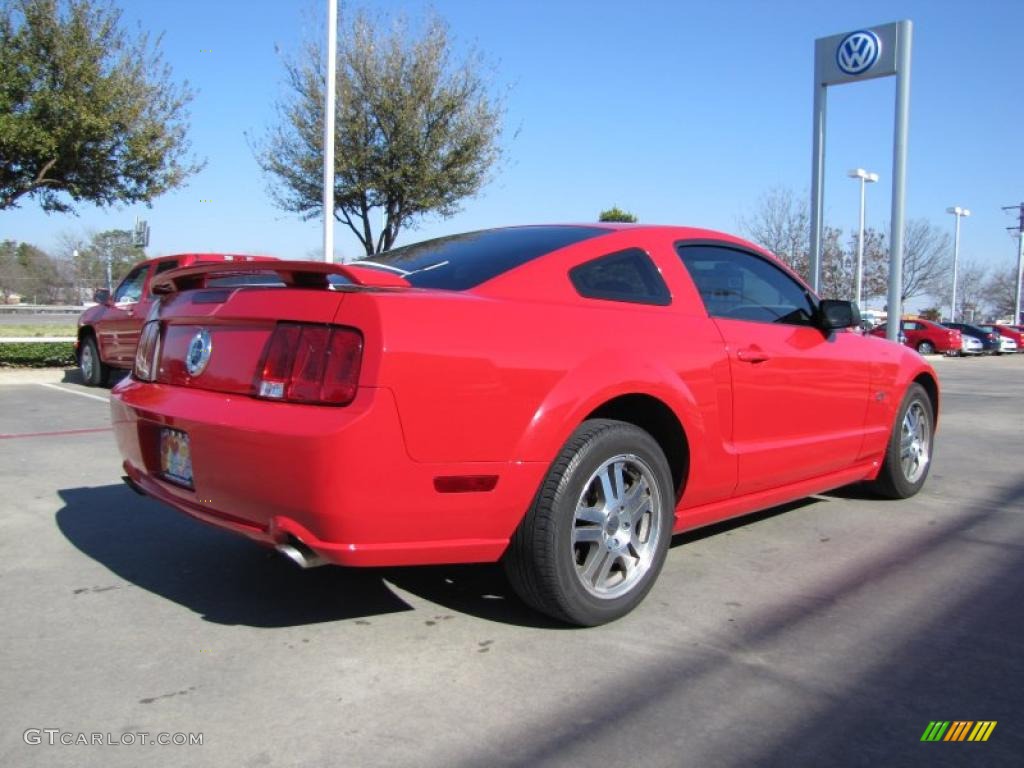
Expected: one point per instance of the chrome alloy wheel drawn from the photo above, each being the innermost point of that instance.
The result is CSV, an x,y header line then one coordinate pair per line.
x,y
87,362
617,526
915,439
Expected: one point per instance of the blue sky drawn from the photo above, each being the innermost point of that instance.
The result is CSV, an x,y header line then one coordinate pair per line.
x,y
681,112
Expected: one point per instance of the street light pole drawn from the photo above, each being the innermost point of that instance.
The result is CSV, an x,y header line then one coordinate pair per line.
x,y
869,178
959,212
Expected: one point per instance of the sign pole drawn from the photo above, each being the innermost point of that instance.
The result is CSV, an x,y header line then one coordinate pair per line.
x,y
817,182
329,97
899,178
864,54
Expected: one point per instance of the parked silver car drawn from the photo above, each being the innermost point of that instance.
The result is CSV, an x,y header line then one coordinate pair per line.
x,y
971,346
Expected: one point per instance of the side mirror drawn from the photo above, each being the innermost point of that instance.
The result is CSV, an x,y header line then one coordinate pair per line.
x,y
101,296
833,315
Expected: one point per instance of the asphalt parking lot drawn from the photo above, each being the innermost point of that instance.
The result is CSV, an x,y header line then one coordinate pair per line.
x,y
829,632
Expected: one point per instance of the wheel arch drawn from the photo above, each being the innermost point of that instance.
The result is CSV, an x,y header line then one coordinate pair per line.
x,y
85,332
931,386
655,417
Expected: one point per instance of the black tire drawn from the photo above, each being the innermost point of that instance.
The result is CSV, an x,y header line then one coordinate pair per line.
x,y
547,564
926,348
94,372
898,479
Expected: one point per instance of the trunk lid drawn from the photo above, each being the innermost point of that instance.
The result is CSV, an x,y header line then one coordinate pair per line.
x,y
217,320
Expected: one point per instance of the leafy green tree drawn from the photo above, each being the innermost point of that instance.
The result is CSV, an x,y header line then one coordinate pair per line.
x,y
416,132
12,273
87,113
31,273
616,214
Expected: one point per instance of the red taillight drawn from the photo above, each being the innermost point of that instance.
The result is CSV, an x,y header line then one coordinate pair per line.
x,y
311,364
148,352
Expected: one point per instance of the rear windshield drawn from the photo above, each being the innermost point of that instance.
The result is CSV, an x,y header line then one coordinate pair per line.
x,y
464,261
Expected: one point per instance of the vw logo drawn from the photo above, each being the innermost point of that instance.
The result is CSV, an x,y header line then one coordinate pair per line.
x,y
858,52
198,354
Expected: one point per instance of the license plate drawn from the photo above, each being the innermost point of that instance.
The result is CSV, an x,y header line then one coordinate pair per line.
x,y
176,456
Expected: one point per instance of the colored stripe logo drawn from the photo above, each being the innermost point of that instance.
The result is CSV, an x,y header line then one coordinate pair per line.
x,y
959,730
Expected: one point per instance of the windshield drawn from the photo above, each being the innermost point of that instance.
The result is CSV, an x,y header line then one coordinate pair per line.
x,y
464,261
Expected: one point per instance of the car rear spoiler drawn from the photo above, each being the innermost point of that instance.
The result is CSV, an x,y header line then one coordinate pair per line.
x,y
298,274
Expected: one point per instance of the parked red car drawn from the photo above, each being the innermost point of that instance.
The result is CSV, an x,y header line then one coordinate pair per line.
x,y
1009,332
562,398
927,337
109,332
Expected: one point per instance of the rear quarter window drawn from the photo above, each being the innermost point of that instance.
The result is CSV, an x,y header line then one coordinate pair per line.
x,y
627,275
460,262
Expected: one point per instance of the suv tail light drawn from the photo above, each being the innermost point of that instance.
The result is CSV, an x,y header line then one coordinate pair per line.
x,y
305,363
147,354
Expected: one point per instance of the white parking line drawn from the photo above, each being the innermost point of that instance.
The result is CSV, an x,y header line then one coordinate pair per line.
x,y
75,392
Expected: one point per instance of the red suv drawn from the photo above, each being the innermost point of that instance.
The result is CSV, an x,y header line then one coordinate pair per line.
x,y
927,337
109,332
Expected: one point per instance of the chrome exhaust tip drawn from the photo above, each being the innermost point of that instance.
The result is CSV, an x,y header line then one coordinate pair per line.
x,y
133,485
299,553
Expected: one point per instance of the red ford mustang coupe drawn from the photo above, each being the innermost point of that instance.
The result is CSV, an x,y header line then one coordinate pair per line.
x,y
561,398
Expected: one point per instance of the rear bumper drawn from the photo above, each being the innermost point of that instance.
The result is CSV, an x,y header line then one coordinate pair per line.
x,y
338,479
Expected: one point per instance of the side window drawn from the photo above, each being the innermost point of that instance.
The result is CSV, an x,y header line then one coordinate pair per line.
x,y
130,289
627,275
912,327
163,266
738,285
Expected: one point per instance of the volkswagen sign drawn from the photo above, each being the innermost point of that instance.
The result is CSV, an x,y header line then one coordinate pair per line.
x,y
858,52
199,351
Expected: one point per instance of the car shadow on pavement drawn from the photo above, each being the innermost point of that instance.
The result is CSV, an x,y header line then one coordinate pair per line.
x,y
225,578
74,376
479,590
736,698
739,522
228,579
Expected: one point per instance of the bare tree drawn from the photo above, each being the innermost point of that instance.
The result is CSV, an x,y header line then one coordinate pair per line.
x,y
839,265
876,262
781,224
927,260
1000,291
970,291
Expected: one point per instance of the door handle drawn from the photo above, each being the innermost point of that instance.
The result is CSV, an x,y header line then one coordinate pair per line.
x,y
751,355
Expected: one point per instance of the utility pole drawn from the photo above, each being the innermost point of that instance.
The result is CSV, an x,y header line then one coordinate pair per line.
x,y
1020,257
